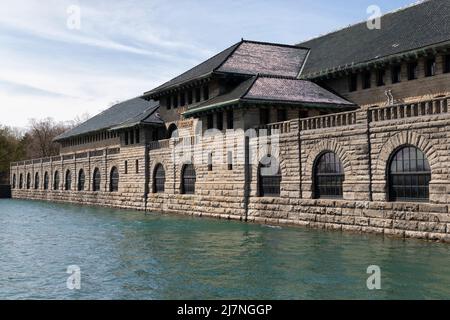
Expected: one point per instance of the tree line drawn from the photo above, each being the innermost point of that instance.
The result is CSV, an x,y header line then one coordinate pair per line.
x,y
35,141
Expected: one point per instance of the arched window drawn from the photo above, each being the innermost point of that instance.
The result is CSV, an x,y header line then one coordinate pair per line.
x,y
409,175
172,132
21,181
36,181
328,176
159,179
97,180
14,181
28,181
56,181
68,184
81,180
46,181
188,178
269,177
114,180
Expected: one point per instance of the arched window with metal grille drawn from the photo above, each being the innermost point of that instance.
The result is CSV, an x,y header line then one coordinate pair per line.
x,y
269,177
36,181
56,181
46,180
81,180
96,180
159,179
114,180
28,181
328,176
188,179
21,181
409,175
68,183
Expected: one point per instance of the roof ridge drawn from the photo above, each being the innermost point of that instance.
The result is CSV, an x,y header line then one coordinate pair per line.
x,y
237,45
276,44
274,76
408,6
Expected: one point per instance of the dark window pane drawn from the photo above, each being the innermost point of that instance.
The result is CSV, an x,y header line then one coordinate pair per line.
x,y
114,180
269,176
159,179
410,180
328,176
188,179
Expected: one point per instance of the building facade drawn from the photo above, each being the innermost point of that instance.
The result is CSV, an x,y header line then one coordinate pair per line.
x,y
349,131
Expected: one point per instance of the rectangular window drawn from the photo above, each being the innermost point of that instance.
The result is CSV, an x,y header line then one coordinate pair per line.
x,y
210,121
430,67
168,103
413,69
198,96
396,74
137,166
182,99
131,137
220,121
126,167
367,80
190,97
205,92
264,116
175,101
126,138
138,136
303,114
353,83
230,119
230,160
380,77
447,64
281,115
210,161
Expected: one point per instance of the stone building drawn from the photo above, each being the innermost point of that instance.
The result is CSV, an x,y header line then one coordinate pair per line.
x,y
348,131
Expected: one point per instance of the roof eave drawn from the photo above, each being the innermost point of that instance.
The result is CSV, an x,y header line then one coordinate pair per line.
x,y
373,62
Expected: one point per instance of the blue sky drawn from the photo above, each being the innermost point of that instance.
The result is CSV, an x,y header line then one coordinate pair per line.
x,y
126,47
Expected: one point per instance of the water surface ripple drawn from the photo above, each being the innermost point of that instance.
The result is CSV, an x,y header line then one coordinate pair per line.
x,y
128,255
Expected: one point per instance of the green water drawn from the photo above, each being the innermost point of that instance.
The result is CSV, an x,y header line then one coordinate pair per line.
x,y
129,255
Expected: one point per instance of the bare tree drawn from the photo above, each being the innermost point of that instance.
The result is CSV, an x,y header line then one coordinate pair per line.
x,y
39,138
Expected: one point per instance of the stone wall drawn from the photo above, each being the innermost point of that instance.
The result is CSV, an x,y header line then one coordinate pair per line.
x,y
364,140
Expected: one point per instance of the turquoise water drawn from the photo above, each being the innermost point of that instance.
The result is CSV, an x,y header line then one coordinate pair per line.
x,y
128,255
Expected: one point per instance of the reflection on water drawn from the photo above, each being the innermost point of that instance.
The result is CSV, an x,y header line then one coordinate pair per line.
x,y
129,255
